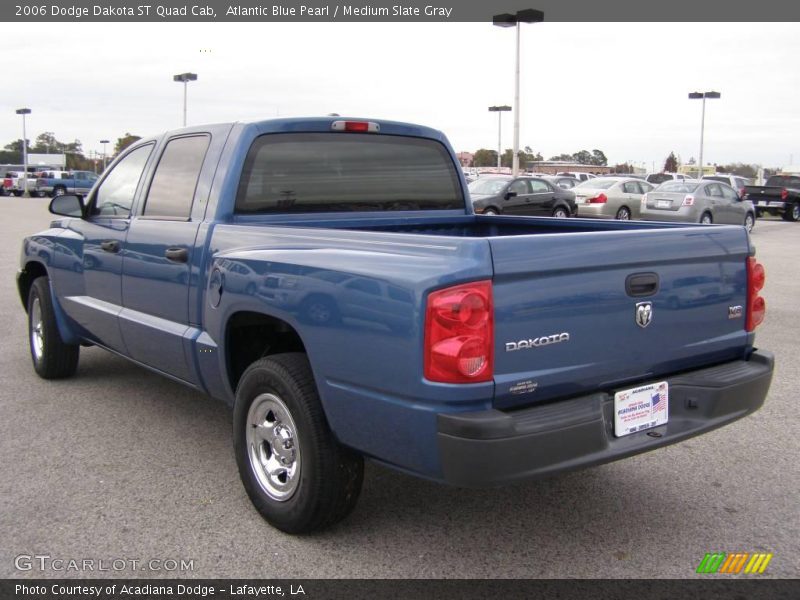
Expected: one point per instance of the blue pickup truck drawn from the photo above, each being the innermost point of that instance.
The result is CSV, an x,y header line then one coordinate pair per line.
x,y
327,278
58,183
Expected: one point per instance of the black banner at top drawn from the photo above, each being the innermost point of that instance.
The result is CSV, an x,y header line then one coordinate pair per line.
x,y
391,11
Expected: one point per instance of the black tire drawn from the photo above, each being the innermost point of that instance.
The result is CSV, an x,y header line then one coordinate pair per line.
x,y
792,213
623,214
559,212
491,211
749,222
52,358
59,190
328,477
706,218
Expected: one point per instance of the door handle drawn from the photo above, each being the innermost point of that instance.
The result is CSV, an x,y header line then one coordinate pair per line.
x,y
641,285
110,246
177,254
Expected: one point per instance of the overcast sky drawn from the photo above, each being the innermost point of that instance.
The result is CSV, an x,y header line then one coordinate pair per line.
x,y
621,88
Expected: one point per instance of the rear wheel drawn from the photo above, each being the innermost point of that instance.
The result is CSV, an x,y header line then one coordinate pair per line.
x,y
749,222
706,219
792,213
59,191
297,475
624,214
561,213
52,358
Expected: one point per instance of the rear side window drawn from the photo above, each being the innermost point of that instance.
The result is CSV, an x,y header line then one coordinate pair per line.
x,y
172,190
332,172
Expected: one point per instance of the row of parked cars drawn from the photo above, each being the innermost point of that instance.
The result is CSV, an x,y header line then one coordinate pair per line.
x,y
47,183
707,200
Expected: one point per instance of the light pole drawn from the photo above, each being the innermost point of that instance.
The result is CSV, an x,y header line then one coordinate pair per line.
x,y
23,112
499,110
702,96
528,15
104,142
184,78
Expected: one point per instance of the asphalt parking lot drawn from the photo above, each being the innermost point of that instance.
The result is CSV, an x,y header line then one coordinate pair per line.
x,y
118,463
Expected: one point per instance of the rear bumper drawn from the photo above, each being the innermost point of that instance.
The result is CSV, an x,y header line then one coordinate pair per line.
x,y
491,447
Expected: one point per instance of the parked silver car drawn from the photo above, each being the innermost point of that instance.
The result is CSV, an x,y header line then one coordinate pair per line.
x,y
611,197
697,202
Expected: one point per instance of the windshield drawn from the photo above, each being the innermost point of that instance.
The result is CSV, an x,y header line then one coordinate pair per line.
x,y
334,172
784,181
680,187
488,185
597,184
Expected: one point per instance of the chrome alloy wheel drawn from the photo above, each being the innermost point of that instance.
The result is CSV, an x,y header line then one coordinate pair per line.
x,y
273,447
37,330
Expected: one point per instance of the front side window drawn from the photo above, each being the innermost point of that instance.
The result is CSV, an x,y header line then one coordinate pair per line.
x,y
335,172
172,190
114,197
519,187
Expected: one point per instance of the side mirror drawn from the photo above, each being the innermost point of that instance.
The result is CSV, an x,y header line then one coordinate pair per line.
x,y
67,205
510,195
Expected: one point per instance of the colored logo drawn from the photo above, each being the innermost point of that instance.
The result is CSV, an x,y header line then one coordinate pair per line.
x,y
735,563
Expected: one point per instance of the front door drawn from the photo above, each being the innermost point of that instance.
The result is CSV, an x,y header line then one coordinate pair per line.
x,y
517,197
97,305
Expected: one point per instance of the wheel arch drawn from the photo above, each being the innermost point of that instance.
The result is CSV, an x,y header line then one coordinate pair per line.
x,y
27,276
251,335
30,272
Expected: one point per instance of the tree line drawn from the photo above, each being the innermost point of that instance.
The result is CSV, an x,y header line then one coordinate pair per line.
x,y
46,143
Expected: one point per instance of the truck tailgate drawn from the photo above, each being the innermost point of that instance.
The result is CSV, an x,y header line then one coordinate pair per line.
x,y
566,322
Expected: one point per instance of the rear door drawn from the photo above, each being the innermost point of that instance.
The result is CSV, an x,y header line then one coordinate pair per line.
x,y
159,253
732,209
715,202
542,198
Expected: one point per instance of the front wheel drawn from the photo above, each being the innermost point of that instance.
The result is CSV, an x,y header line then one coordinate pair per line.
x,y
490,211
52,357
560,213
59,191
297,475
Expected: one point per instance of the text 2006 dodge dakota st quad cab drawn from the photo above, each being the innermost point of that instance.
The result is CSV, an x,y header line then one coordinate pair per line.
x,y
327,278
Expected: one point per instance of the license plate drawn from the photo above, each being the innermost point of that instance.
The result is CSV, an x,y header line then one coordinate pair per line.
x,y
762,203
641,408
663,203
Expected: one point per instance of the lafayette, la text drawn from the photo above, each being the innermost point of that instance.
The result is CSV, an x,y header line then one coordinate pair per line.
x,y
187,589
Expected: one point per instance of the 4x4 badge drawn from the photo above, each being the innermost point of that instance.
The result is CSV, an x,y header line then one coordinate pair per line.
x,y
644,314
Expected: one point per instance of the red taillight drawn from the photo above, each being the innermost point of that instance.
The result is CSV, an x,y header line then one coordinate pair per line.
x,y
356,126
688,200
459,334
601,199
756,306
784,194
